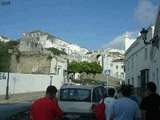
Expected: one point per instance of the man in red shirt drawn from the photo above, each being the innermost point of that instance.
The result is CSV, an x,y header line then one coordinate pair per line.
x,y
46,108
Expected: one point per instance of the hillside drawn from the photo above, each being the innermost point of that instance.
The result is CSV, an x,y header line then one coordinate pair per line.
x,y
39,40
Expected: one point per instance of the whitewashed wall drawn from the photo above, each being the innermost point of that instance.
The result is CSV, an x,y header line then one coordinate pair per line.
x,y
137,59
117,72
109,65
22,83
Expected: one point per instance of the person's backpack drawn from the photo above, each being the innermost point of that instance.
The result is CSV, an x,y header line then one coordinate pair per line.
x,y
100,110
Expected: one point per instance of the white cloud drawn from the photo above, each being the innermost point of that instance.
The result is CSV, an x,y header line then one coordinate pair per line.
x,y
119,42
146,12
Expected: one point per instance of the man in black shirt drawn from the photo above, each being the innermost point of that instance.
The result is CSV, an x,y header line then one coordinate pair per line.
x,y
150,105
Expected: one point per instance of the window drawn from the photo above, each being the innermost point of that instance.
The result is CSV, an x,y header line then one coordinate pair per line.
x,y
145,54
117,74
122,74
144,77
116,66
132,81
122,66
97,94
75,95
128,81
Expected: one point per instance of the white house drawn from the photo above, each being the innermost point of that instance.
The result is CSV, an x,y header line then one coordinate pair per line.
x,y
142,62
142,59
112,62
137,61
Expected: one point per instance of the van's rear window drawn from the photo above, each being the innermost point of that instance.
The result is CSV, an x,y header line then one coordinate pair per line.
x,y
75,95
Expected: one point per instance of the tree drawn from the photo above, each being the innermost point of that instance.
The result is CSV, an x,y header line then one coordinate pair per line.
x,y
55,51
86,67
5,56
74,67
96,68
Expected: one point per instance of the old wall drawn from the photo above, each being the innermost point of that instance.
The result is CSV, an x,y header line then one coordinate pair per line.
x,y
30,63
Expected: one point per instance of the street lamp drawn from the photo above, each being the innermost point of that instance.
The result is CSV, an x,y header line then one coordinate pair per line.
x,y
154,41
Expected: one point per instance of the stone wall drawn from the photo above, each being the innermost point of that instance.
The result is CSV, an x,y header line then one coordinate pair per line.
x,y
30,63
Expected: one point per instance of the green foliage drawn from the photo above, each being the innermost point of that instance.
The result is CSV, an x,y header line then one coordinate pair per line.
x,y
49,57
79,67
5,56
74,67
56,51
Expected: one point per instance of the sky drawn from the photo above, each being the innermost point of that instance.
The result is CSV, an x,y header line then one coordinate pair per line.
x,y
88,23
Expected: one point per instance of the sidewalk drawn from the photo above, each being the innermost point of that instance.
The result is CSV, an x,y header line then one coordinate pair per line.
x,y
21,97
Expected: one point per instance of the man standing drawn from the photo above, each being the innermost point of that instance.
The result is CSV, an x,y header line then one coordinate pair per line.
x,y
46,108
124,108
108,101
150,105
132,96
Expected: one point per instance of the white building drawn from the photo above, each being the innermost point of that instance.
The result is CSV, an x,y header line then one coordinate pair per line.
x,y
137,61
142,62
118,68
112,62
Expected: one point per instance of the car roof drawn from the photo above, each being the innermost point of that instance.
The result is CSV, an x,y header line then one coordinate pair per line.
x,y
72,86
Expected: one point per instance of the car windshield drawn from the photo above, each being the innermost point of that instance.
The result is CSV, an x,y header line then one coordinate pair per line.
x,y
75,95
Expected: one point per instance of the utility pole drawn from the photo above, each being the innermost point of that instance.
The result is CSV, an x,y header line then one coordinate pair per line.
x,y
51,80
7,88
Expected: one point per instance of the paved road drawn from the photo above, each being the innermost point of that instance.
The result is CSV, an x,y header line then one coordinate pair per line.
x,y
21,97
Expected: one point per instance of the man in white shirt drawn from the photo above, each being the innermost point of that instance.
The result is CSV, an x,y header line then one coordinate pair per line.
x,y
108,101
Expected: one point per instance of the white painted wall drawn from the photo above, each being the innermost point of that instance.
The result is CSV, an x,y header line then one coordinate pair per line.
x,y
107,63
22,83
110,65
117,72
139,57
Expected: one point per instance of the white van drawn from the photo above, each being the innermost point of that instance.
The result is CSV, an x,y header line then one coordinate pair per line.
x,y
77,100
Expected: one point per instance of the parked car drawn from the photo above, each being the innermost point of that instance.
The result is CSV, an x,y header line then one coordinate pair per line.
x,y
16,111
77,100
